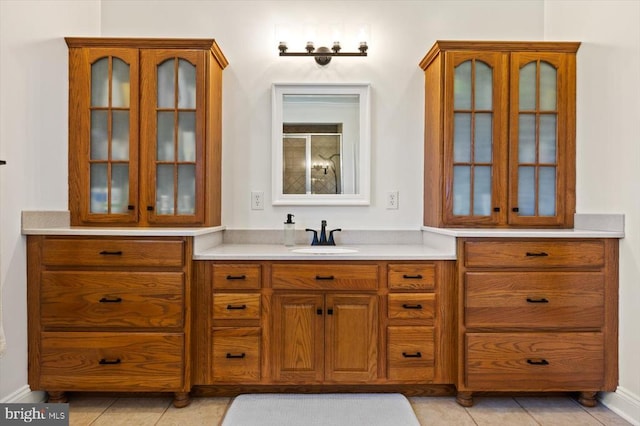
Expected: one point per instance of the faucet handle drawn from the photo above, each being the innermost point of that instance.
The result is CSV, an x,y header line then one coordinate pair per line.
x,y
315,236
331,242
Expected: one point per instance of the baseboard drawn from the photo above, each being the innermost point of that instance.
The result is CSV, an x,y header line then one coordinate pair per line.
x,y
623,403
25,395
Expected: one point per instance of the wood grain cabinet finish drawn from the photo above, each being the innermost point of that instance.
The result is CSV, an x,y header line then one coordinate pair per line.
x,y
345,325
105,316
500,134
537,315
144,131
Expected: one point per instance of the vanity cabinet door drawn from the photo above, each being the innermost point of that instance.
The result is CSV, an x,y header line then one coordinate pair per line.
x,y
298,338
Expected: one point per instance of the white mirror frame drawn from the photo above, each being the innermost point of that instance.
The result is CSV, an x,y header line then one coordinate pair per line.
x,y
362,198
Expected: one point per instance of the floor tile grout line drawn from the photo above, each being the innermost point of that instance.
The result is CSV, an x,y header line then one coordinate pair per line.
x,y
527,411
164,412
103,411
576,402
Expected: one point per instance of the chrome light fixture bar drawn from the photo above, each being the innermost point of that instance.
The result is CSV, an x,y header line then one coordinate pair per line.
x,y
323,55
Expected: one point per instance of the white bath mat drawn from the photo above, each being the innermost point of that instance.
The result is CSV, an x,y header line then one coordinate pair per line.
x,y
370,409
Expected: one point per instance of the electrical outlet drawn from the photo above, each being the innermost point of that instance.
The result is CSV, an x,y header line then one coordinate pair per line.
x,y
392,200
257,200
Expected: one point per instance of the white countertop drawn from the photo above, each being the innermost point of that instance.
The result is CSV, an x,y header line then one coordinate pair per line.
x,y
523,233
364,252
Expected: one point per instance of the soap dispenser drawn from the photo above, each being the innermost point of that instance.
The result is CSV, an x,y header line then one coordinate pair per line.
x,y
289,231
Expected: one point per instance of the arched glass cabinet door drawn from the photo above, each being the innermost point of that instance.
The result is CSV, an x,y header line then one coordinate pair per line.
x,y
112,133
174,132
475,156
538,139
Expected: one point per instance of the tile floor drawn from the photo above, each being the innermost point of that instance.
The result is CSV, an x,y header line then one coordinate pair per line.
x,y
111,411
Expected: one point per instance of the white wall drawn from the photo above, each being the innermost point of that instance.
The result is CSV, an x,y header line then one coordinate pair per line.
x,y
34,121
608,147
33,141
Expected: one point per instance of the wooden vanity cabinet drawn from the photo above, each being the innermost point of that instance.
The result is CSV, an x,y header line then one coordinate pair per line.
x,y
144,131
500,134
537,315
109,314
330,333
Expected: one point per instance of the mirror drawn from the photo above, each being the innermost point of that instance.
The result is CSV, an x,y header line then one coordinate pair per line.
x,y
321,144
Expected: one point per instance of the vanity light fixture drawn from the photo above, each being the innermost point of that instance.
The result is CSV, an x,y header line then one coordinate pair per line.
x,y
323,55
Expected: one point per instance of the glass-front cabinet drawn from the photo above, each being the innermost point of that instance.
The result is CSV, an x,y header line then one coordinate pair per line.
x,y
500,134
144,140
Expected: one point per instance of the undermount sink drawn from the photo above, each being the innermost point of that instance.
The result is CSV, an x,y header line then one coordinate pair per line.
x,y
324,250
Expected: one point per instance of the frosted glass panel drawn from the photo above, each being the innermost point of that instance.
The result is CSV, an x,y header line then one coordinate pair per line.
x,y
548,139
528,87
462,86
164,189
482,191
526,191
99,135
165,142
120,85
461,190
119,188
462,138
548,87
100,83
120,136
483,138
99,188
186,188
186,85
187,136
547,197
484,86
166,84
527,138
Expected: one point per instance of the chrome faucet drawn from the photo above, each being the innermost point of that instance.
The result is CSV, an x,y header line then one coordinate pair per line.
x,y
323,241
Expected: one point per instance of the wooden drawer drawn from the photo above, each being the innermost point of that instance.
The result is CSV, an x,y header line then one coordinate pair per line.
x,y
411,276
111,361
112,299
534,361
534,254
112,252
236,355
236,306
236,277
411,306
534,299
410,353
324,276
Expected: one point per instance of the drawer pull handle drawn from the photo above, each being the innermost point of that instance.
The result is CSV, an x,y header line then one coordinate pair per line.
x,y
330,311
539,362
407,306
236,308
325,278
232,356
111,253
105,361
541,300
416,355
319,311
538,254
412,277
111,300
236,277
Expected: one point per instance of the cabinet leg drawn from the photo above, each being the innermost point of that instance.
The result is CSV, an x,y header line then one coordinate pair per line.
x,y
57,397
588,399
181,399
465,399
